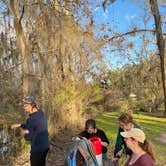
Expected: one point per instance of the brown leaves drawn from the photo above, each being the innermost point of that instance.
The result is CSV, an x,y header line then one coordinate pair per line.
x,y
130,45
88,33
103,27
79,2
106,37
132,34
119,41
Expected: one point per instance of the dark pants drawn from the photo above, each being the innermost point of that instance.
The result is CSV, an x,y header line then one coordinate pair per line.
x,y
38,158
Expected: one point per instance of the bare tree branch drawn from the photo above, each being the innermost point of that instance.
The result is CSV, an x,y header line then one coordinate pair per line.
x,y
133,32
22,14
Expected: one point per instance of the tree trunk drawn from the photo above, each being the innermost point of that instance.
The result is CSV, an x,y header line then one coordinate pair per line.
x,y
24,51
160,44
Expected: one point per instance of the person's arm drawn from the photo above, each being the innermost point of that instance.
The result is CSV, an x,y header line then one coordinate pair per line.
x,y
83,134
104,140
119,143
79,136
31,127
17,125
14,126
22,126
105,144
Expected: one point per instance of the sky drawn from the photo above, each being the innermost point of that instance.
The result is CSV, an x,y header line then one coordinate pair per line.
x,y
122,16
120,13
124,13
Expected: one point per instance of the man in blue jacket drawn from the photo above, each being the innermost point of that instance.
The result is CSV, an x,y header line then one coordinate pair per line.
x,y
35,130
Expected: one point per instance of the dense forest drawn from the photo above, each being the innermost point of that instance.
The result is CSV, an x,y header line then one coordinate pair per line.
x,y
55,51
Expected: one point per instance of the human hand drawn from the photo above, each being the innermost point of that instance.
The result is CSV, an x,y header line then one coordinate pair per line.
x,y
14,126
103,143
115,159
120,153
76,139
23,131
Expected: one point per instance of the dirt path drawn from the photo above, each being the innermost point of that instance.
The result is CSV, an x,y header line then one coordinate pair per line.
x,y
161,138
23,158
55,157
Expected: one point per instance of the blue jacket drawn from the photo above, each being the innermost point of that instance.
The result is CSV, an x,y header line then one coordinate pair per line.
x,y
36,124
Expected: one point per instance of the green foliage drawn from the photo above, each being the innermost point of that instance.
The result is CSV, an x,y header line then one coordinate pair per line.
x,y
88,94
94,100
143,80
65,94
95,94
23,144
152,126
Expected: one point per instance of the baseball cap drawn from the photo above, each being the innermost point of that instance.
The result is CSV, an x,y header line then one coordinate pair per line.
x,y
28,100
135,133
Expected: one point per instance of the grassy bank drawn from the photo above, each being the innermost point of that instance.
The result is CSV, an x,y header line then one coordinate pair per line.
x,y
152,126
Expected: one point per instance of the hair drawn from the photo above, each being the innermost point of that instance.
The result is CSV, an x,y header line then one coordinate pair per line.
x,y
34,105
147,147
127,118
90,123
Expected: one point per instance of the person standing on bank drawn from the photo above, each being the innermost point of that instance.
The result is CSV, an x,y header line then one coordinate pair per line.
x,y
142,153
35,130
126,123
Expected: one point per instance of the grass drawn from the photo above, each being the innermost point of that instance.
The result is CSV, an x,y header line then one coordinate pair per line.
x,y
152,126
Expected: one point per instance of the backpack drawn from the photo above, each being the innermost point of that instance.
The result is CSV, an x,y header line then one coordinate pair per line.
x,y
81,153
96,145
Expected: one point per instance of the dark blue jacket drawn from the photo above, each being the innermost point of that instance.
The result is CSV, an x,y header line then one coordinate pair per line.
x,y
36,124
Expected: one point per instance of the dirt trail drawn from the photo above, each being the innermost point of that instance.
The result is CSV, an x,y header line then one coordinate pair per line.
x,y
55,157
161,138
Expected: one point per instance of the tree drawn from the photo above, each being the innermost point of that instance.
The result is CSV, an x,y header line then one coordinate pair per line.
x,y
57,53
159,37
160,44
14,7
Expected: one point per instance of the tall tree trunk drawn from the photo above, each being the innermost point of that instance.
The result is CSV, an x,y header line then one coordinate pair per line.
x,y
24,51
61,53
160,44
